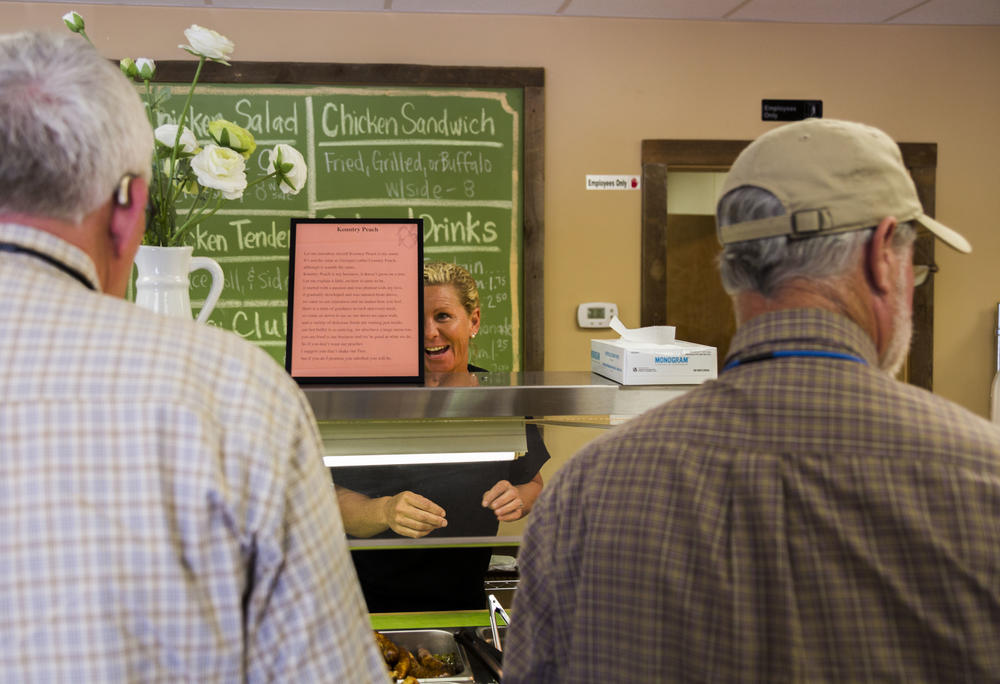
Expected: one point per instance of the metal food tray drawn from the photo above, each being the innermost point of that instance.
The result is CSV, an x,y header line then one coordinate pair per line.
x,y
435,641
486,634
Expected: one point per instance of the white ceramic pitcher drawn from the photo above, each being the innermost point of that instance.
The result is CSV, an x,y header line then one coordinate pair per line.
x,y
163,285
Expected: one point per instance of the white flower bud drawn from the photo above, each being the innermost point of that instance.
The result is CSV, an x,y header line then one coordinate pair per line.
x,y
291,167
146,68
74,22
127,65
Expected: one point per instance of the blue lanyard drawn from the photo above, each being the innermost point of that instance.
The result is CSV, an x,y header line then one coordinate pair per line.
x,y
813,353
52,261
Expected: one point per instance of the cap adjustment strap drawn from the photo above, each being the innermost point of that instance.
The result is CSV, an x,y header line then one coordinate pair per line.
x,y
809,222
802,224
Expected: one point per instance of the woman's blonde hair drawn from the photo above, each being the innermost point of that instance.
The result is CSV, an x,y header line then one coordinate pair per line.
x,y
443,273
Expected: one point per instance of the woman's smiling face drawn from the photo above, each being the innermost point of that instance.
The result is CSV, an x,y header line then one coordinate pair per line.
x,y
448,327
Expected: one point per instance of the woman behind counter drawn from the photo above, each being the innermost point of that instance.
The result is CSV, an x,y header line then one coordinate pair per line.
x,y
454,500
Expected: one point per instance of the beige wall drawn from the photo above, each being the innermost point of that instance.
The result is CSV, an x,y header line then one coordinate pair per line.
x,y
611,83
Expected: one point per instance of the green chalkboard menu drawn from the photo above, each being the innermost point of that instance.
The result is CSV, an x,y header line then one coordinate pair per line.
x,y
458,147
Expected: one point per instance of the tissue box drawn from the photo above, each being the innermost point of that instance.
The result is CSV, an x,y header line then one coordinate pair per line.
x,y
644,363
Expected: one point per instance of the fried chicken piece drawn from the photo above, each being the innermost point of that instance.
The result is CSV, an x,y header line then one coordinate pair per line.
x,y
406,665
390,652
429,666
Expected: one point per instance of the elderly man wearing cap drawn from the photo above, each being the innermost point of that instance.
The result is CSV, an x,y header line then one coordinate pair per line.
x,y
806,517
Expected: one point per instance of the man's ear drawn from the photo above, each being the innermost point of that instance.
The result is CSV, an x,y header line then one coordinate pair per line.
x,y
128,215
881,258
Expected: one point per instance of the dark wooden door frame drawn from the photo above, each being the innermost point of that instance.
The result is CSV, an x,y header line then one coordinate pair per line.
x,y
661,156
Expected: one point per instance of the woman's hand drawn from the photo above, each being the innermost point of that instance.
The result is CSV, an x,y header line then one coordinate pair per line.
x,y
406,513
513,502
411,515
505,500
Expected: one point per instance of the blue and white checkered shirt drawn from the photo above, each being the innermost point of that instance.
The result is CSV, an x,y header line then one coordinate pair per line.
x,y
164,511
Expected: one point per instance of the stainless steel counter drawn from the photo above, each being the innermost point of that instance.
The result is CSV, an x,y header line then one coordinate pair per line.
x,y
541,393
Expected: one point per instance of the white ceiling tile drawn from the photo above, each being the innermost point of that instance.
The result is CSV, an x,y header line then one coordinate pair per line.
x,y
333,5
822,11
478,6
83,3
652,9
955,12
330,5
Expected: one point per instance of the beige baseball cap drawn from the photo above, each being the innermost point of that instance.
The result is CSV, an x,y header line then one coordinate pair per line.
x,y
832,177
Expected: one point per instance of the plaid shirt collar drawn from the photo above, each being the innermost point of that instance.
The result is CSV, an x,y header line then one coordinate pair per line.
x,y
57,248
802,329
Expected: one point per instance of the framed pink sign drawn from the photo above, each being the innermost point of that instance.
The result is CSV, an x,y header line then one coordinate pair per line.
x,y
355,301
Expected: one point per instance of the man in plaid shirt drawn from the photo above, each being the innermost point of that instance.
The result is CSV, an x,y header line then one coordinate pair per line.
x,y
806,517
164,511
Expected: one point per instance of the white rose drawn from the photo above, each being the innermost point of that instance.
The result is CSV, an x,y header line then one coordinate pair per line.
x,y
291,179
207,43
166,135
221,168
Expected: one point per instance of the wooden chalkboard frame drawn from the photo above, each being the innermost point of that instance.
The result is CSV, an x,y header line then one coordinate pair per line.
x,y
530,79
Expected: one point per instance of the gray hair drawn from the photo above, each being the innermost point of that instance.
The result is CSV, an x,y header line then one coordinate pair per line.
x,y
765,265
71,125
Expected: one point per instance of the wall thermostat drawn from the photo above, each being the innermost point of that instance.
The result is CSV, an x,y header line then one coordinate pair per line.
x,y
595,314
